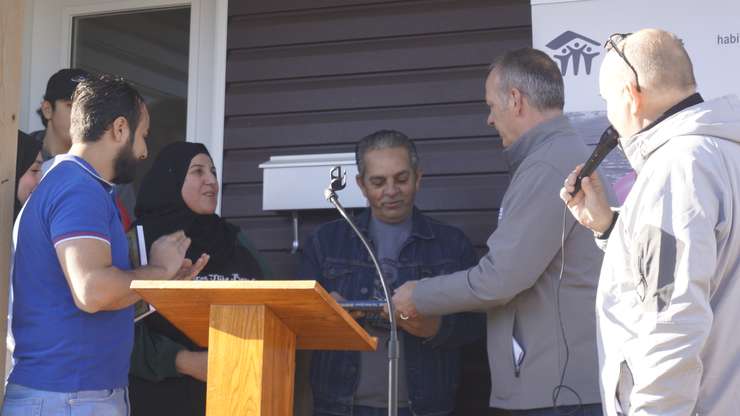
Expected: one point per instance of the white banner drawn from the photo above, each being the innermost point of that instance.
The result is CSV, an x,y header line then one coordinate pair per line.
x,y
573,32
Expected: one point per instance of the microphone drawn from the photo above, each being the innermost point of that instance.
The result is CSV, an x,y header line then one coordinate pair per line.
x,y
608,141
337,183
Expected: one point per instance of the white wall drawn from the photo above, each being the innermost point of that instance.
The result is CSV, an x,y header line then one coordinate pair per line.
x,y
704,27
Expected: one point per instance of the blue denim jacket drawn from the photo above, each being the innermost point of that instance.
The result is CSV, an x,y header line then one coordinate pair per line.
x,y
335,257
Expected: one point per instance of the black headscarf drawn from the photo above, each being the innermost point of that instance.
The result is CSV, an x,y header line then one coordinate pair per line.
x,y
161,210
28,149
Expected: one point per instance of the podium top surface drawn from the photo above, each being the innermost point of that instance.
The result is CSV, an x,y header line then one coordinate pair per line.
x,y
302,305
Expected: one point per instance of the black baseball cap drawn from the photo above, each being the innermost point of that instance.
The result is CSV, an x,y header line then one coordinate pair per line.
x,y
62,84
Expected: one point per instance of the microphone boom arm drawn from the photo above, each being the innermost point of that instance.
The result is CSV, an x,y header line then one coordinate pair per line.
x,y
338,183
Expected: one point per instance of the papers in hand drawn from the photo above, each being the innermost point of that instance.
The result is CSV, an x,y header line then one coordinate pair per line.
x,y
137,252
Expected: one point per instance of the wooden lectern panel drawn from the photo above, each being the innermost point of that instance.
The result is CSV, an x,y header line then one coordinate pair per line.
x,y
251,363
318,322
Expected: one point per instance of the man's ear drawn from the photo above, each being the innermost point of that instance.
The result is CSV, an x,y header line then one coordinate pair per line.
x,y
120,129
515,101
46,109
635,99
419,173
360,184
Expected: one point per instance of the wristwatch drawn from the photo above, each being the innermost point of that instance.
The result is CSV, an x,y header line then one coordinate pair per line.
x,y
608,231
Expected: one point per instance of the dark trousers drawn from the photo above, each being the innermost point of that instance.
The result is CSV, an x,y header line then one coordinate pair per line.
x,y
584,410
372,411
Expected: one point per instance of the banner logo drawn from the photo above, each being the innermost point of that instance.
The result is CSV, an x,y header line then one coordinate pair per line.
x,y
573,47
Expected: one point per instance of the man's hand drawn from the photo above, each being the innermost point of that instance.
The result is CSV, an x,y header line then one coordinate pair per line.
x,y
589,206
168,253
421,326
408,317
193,364
188,270
403,301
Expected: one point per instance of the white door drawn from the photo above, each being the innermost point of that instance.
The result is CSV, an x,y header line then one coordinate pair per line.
x,y
173,50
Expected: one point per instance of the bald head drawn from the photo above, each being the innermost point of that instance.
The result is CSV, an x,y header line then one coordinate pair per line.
x,y
661,62
664,78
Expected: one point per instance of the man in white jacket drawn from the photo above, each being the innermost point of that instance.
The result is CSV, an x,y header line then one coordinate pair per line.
x,y
668,299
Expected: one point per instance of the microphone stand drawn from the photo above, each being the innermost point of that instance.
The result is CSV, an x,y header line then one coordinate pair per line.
x,y
338,183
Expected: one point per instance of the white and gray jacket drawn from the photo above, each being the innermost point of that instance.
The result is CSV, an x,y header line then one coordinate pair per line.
x,y
668,303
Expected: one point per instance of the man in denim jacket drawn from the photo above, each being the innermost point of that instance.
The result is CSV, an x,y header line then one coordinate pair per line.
x,y
409,246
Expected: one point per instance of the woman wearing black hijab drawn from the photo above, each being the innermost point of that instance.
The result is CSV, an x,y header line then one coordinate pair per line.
x,y
27,169
180,193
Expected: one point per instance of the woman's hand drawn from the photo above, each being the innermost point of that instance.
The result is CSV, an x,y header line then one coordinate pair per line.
x,y
193,364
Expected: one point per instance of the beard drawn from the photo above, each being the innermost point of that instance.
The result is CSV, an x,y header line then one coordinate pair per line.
x,y
124,165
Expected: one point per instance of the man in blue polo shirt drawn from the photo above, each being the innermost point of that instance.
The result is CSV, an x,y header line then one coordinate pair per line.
x,y
73,319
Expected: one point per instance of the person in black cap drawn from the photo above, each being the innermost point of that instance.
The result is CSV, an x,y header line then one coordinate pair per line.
x,y
55,111
55,138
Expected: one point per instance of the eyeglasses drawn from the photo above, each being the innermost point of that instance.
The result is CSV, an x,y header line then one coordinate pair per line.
x,y
611,44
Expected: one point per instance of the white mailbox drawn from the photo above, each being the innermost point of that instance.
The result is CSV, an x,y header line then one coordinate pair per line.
x,y
297,182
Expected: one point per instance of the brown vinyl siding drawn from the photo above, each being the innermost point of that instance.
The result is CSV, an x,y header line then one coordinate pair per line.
x,y
316,76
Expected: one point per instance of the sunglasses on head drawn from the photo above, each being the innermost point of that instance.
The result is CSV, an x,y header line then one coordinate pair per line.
x,y
612,44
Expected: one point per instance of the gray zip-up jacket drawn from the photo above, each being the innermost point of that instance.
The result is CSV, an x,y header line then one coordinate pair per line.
x,y
517,281
669,294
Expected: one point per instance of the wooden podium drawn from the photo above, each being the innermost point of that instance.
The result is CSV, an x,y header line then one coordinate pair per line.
x,y
252,329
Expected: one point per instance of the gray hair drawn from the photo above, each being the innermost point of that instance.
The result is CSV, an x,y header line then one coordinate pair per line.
x,y
534,74
385,139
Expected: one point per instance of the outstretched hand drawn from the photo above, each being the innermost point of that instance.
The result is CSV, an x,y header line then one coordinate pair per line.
x,y
188,270
408,318
589,206
403,301
168,252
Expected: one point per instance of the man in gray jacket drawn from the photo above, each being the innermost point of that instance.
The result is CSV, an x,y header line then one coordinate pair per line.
x,y
667,304
540,310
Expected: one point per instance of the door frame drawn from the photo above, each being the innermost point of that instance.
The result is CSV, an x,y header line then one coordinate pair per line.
x,y
48,45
